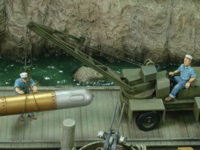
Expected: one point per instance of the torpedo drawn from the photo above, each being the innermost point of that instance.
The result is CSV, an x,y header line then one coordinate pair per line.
x,y
44,101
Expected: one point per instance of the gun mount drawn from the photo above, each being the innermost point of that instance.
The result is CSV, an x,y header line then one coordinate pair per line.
x,y
142,90
112,143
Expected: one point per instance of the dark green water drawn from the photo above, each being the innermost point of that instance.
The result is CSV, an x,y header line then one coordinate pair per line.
x,y
56,70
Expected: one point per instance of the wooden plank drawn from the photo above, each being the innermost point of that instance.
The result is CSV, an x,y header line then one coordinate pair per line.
x,y
33,131
153,134
176,128
160,132
189,123
51,127
95,116
109,110
134,133
33,124
58,124
90,117
72,115
9,129
3,129
194,128
15,127
183,128
100,110
45,127
24,129
78,128
147,135
84,122
166,128
172,122
105,108
197,128
38,129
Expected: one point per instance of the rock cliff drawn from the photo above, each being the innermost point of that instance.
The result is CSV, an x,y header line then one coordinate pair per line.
x,y
164,29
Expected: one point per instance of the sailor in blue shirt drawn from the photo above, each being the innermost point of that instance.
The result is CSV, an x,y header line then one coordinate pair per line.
x,y
21,87
187,76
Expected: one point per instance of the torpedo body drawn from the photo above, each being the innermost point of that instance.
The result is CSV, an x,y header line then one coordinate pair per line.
x,y
52,100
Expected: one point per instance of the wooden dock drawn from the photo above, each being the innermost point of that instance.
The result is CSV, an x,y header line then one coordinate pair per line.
x,y
180,129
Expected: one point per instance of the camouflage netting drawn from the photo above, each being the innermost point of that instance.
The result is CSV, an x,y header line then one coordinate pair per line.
x,y
160,29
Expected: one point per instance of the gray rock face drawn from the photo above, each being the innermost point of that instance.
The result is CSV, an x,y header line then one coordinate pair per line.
x,y
88,75
163,30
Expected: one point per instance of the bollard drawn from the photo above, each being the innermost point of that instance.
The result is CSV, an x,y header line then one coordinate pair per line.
x,y
67,142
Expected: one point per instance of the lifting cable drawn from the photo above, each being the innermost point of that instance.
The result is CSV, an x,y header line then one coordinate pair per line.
x,y
28,86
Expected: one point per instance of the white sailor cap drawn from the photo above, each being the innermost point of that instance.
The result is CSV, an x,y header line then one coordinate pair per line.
x,y
188,56
23,75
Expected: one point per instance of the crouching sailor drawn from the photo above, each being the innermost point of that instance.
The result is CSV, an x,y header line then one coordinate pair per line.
x,y
21,87
187,76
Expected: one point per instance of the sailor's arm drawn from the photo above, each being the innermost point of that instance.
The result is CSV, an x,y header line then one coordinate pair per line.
x,y
33,84
187,85
173,73
192,79
34,89
16,87
18,90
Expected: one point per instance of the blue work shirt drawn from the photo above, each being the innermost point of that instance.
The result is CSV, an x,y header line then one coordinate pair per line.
x,y
186,72
23,86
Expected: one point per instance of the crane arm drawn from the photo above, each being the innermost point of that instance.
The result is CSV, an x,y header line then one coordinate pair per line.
x,y
50,34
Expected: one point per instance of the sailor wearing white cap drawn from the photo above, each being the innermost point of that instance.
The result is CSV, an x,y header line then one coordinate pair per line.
x,y
188,56
24,75
187,76
21,87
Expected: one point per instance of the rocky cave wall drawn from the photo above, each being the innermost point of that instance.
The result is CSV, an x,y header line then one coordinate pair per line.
x,y
164,29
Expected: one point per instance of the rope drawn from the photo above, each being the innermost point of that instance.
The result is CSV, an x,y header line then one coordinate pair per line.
x,y
25,99
37,107
30,48
28,84
26,47
33,96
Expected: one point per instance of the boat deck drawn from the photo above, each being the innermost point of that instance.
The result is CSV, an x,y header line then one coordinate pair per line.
x,y
180,128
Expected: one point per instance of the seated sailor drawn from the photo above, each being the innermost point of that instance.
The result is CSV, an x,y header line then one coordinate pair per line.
x,y
187,76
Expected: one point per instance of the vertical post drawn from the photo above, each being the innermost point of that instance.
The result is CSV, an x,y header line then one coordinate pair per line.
x,y
67,142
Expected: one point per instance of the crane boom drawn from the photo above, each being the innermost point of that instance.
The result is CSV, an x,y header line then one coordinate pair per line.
x,y
50,34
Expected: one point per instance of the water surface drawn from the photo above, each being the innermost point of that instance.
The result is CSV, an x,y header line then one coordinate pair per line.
x,y
52,70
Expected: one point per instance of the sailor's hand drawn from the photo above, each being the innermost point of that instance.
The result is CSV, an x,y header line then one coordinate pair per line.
x,y
187,85
34,91
171,73
21,92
